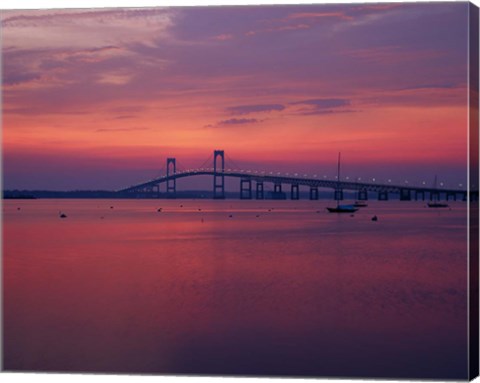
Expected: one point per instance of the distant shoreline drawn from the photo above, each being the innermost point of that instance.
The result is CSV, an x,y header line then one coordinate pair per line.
x,y
187,194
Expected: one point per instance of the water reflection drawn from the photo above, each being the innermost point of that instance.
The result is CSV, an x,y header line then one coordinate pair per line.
x,y
290,292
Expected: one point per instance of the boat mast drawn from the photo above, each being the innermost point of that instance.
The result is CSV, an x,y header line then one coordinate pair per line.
x,y
338,179
338,170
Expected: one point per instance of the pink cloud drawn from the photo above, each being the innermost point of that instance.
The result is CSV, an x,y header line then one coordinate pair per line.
x,y
224,37
76,29
316,15
391,54
105,75
378,7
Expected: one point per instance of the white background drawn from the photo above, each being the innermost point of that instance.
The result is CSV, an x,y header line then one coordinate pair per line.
x,y
90,378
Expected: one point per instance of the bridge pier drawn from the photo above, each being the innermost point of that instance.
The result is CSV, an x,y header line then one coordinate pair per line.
x,y
259,191
419,193
405,195
277,191
338,195
219,177
451,194
294,192
383,195
148,191
313,193
362,195
245,192
434,195
171,183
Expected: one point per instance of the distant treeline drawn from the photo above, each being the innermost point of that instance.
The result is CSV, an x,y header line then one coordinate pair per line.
x,y
33,194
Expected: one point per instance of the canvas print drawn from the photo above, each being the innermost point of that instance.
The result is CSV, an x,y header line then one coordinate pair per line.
x,y
285,191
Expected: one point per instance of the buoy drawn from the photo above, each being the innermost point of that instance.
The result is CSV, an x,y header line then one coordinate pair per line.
x,y
159,209
111,207
374,218
63,215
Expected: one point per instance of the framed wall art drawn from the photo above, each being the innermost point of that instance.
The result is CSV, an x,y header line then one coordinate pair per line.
x,y
254,190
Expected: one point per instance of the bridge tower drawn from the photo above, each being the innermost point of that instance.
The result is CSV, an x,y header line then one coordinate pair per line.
x,y
218,175
171,183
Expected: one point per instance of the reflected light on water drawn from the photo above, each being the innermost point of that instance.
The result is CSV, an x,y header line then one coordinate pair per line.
x,y
235,287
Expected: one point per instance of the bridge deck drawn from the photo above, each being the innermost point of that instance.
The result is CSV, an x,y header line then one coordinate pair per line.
x,y
293,180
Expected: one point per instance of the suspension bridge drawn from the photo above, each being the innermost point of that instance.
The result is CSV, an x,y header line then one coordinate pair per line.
x,y
252,185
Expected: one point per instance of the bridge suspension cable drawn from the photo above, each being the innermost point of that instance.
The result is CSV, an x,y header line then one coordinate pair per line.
x,y
161,172
231,162
209,160
180,166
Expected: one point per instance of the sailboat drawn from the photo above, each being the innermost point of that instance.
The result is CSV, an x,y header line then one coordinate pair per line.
x,y
341,208
436,203
360,204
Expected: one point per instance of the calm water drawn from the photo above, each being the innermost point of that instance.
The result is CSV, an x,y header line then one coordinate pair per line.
x,y
290,292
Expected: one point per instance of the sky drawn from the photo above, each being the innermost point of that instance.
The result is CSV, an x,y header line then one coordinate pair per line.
x,y
99,98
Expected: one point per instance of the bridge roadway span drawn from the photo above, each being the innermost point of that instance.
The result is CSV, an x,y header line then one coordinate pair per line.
x,y
406,192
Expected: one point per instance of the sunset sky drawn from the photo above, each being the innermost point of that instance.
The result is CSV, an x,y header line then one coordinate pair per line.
x,y
98,98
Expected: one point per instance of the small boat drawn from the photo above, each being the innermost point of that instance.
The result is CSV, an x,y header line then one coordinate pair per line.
x,y
341,208
436,203
360,204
